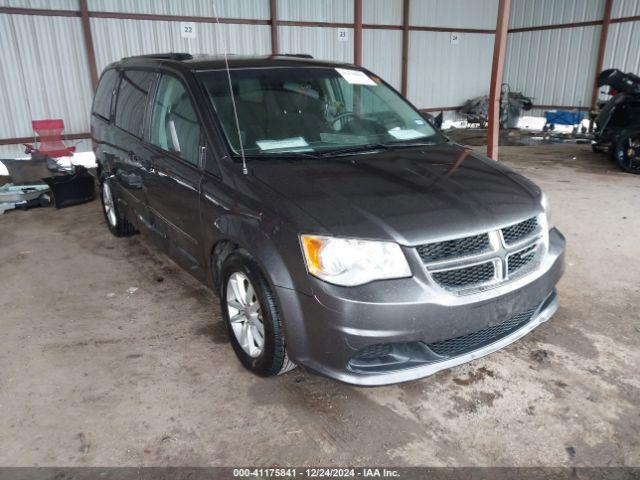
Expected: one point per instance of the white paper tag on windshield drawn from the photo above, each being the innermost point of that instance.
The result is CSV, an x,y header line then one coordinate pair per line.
x,y
294,142
407,134
355,77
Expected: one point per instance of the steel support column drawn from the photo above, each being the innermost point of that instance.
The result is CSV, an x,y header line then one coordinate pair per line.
x,y
88,43
405,46
499,49
274,27
604,32
357,32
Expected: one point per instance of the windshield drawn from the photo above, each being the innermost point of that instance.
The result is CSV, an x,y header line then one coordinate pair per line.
x,y
312,109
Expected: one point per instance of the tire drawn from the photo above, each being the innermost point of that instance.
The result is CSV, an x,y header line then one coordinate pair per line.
x,y
116,221
626,153
240,276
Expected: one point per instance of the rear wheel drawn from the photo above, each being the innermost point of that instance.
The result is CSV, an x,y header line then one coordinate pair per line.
x,y
627,153
252,317
116,221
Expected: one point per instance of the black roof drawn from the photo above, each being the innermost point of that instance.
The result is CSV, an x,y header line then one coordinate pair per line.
x,y
211,62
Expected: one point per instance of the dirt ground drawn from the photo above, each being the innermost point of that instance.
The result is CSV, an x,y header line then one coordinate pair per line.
x,y
112,355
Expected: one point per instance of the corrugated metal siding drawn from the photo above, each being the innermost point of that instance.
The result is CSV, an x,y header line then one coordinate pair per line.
x,y
44,74
382,54
385,12
454,13
339,11
322,43
48,4
530,13
625,8
114,39
553,66
623,47
256,9
442,74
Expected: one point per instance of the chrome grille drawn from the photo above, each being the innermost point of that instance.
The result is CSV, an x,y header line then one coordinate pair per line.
x,y
459,247
476,262
519,231
465,277
516,261
473,341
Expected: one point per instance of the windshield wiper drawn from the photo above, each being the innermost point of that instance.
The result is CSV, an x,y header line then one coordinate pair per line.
x,y
282,154
374,146
405,144
354,149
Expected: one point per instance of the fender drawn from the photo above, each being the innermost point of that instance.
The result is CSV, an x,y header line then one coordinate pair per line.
x,y
273,246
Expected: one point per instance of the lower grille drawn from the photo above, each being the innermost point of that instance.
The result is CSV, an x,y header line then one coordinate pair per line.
x,y
518,260
464,344
374,351
465,277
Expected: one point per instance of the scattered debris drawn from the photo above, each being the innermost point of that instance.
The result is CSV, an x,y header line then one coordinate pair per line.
x,y
23,196
473,377
476,110
541,355
85,446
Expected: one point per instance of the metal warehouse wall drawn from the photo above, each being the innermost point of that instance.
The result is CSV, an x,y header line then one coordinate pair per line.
x,y
623,42
443,73
46,73
553,46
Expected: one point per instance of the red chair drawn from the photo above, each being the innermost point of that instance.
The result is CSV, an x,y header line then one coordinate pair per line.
x,y
50,133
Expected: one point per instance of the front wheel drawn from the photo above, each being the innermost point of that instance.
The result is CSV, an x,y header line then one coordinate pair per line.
x,y
252,317
116,221
627,153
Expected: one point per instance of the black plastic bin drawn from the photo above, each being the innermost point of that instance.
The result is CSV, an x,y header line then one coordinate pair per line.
x,y
72,189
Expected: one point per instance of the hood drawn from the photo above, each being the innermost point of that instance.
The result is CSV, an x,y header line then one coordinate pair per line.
x,y
410,196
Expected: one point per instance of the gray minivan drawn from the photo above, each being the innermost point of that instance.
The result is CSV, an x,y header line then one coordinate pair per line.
x,y
341,230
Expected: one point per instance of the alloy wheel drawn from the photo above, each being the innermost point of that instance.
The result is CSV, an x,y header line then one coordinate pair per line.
x,y
245,314
109,206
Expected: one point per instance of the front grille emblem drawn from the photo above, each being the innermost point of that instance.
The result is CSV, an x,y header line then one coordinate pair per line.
x,y
481,261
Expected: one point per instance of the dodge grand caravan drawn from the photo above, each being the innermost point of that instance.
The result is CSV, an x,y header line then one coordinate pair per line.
x,y
341,230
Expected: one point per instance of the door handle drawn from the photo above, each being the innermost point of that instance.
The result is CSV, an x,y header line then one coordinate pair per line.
x,y
143,162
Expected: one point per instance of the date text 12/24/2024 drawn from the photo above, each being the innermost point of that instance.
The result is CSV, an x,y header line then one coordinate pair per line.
x,y
315,472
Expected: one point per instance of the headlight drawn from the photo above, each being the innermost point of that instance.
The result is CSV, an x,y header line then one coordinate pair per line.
x,y
544,201
349,262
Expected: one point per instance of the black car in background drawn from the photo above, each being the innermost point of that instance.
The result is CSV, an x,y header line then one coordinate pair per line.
x,y
618,121
340,229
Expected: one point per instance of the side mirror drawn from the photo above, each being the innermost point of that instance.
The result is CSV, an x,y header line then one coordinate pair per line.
x,y
435,121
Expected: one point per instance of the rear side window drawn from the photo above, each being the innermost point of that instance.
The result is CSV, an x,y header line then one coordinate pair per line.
x,y
132,99
104,93
174,124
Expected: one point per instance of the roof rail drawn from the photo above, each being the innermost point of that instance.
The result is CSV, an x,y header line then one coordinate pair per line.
x,y
164,56
299,55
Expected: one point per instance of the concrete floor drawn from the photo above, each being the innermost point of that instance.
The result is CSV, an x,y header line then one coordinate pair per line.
x,y
111,355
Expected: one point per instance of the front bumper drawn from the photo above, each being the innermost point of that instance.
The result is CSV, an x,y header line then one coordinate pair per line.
x,y
328,330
